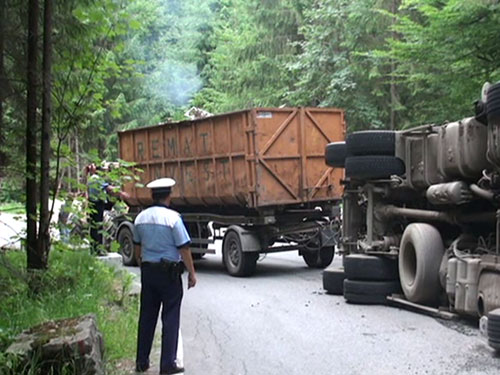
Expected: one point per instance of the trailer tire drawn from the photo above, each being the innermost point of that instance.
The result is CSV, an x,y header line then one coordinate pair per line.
x,y
493,104
236,261
335,154
420,255
197,256
371,142
320,258
333,281
366,287
125,239
373,167
370,267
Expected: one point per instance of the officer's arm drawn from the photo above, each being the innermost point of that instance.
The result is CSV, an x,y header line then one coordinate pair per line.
x,y
188,262
138,254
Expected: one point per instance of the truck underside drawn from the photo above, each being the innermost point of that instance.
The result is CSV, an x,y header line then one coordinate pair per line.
x,y
421,213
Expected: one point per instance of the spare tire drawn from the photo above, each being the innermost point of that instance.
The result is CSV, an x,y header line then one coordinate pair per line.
x,y
373,167
335,154
371,142
493,104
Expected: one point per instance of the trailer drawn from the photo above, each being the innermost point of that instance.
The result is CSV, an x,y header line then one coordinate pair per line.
x,y
255,179
421,216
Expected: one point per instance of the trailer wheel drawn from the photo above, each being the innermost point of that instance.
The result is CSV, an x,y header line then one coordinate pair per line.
x,y
320,258
420,256
373,166
335,154
371,142
236,261
125,239
370,267
333,281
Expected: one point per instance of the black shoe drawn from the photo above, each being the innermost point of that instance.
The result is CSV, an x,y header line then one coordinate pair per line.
x,y
141,368
173,370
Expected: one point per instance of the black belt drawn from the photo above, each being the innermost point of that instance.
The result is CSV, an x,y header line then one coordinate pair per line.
x,y
174,269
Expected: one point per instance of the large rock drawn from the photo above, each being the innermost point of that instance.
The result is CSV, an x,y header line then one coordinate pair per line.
x,y
72,344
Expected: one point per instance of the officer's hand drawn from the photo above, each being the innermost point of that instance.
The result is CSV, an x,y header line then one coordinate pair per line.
x,y
191,280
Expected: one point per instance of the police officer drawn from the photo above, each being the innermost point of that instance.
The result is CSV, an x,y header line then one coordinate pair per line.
x,y
161,240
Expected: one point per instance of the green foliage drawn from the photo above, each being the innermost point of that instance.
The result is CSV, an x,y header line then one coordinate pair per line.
x,y
251,44
76,284
445,51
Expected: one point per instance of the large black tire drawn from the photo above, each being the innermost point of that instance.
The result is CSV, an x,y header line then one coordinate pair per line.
x,y
365,299
370,267
373,167
319,259
494,329
125,239
420,255
384,288
371,142
493,104
333,281
335,154
369,292
236,261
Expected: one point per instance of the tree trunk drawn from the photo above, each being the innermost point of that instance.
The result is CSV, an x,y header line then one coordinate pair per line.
x,y
35,261
44,235
3,85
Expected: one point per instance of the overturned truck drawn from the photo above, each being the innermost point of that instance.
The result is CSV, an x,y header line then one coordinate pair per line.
x,y
421,214
256,179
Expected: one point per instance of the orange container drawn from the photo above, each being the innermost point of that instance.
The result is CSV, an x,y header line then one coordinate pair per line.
x,y
249,159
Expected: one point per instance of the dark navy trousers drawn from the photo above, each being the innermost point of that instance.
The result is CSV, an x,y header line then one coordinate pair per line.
x,y
159,290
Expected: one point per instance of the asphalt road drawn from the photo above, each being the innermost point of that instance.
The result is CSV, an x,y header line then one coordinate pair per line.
x,y
280,322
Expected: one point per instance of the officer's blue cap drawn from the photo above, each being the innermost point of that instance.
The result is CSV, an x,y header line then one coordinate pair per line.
x,y
161,185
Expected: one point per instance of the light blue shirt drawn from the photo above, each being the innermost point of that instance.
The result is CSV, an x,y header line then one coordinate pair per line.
x,y
161,233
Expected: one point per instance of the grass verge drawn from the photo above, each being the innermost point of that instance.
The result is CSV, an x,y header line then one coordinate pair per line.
x,y
75,284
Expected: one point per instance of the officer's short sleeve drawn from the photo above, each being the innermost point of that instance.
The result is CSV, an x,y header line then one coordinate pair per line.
x,y
137,236
181,236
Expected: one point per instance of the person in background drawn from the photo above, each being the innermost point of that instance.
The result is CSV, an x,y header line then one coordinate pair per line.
x,y
98,192
161,241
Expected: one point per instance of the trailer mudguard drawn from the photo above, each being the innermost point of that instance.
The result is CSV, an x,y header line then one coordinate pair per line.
x,y
249,239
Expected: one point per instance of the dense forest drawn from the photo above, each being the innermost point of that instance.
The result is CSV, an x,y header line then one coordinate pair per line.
x,y
119,64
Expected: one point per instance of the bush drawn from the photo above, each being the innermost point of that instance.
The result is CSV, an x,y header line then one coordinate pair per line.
x,y
75,284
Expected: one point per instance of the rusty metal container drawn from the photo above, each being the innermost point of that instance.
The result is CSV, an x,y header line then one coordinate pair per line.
x,y
249,159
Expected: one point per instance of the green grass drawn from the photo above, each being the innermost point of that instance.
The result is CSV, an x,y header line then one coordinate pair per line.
x,y
75,284
13,208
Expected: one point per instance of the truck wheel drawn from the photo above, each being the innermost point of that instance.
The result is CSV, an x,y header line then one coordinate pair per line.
x,y
365,299
371,142
420,255
494,329
383,288
320,258
370,267
373,166
125,239
369,292
333,281
335,154
236,261
493,104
